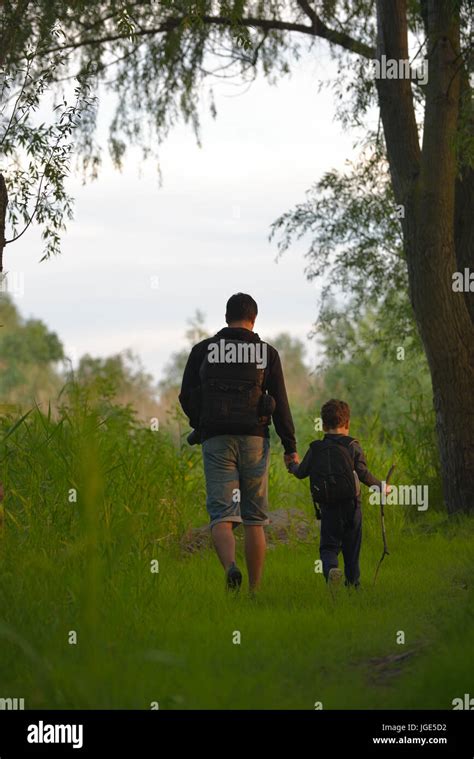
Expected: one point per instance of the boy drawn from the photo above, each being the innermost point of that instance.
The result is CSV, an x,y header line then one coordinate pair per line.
x,y
335,465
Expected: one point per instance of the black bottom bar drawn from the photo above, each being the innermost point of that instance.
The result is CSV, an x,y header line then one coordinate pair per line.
x,y
150,733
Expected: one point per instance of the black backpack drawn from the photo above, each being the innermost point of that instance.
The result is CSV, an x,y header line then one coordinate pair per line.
x,y
332,476
231,393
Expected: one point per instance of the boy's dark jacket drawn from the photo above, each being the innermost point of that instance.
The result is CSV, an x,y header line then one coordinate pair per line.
x,y
274,383
360,464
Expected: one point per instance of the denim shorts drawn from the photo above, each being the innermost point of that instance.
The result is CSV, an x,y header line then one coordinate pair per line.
x,y
236,471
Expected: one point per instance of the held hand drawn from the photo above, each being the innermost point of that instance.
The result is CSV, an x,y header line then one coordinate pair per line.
x,y
289,458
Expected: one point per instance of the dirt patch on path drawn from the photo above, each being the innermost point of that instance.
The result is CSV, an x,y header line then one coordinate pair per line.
x,y
286,525
382,670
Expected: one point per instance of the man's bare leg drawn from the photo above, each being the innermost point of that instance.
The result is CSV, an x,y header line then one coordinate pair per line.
x,y
224,543
255,546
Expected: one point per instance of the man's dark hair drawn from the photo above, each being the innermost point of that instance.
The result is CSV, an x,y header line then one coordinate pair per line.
x,y
241,307
335,414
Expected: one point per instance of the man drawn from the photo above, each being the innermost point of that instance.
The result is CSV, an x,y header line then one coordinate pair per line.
x,y
232,387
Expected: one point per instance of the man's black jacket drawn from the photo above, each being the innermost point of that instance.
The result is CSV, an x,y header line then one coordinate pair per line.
x,y
274,383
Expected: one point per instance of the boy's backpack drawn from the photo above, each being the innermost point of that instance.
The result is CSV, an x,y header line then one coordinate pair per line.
x,y
231,393
332,475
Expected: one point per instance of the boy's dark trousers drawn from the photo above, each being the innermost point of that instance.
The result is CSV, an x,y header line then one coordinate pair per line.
x,y
341,529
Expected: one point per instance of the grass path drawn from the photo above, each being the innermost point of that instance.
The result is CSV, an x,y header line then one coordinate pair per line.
x,y
168,637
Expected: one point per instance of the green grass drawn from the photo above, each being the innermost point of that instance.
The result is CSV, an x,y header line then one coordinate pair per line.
x,y
142,637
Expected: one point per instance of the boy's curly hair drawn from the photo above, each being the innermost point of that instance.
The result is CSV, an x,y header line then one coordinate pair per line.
x,y
335,414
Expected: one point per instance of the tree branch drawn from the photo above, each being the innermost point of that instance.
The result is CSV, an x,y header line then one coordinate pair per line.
x,y
318,30
17,101
333,35
310,12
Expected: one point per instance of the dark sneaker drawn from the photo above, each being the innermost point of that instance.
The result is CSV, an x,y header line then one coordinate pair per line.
x,y
334,580
352,585
233,577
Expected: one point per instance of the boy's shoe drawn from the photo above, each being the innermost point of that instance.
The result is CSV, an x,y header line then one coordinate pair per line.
x,y
352,585
233,577
334,579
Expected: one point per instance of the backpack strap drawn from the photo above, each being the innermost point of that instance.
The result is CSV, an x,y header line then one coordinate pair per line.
x,y
347,444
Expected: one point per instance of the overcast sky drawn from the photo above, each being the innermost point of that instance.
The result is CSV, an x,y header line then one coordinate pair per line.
x,y
139,259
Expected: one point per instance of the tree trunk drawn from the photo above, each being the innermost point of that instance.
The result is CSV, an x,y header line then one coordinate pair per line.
x,y
442,314
448,338
3,213
464,200
437,230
